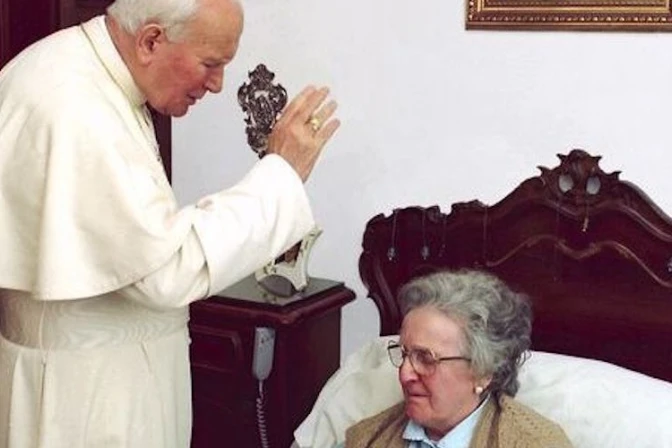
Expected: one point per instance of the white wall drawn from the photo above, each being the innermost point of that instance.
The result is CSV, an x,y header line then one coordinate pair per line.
x,y
432,114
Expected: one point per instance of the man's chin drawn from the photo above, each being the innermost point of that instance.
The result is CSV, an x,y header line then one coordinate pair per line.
x,y
178,111
173,111
179,114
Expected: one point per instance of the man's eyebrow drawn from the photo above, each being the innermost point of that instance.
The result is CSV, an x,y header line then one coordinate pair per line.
x,y
215,60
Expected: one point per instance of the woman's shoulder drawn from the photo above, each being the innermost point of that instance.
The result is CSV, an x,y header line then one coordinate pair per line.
x,y
522,423
387,416
392,420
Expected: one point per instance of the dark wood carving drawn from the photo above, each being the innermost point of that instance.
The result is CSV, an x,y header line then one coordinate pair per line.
x,y
261,101
592,251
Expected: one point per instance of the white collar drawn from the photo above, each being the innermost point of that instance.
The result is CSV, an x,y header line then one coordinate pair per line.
x,y
460,436
99,36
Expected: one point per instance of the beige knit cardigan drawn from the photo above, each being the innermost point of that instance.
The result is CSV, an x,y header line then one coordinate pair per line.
x,y
518,427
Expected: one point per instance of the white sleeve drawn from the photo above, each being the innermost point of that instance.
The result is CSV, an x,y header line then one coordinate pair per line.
x,y
234,232
182,280
246,226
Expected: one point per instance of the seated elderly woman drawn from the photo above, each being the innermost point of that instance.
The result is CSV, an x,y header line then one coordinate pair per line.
x,y
463,338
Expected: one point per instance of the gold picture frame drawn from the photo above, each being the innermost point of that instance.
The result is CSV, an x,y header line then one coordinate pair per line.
x,y
586,15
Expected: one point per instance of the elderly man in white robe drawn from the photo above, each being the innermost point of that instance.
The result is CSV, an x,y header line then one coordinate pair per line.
x,y
97,263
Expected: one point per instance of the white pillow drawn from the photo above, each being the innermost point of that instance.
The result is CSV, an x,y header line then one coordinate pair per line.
x,y
365,385
599,405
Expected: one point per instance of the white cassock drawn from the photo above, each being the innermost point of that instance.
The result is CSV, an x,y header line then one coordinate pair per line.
x,y
98,264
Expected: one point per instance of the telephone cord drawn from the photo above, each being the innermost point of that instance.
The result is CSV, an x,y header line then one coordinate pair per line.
x,y
261,418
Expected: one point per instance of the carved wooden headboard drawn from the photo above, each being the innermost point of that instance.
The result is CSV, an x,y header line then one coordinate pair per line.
x,y
593,252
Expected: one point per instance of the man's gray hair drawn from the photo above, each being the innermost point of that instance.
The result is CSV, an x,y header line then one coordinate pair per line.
x,y
172,15
496,321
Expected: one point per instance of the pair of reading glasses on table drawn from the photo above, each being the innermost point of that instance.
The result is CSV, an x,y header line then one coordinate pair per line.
x,y
423,360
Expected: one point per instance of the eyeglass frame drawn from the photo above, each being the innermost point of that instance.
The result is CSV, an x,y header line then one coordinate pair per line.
x,y
405,353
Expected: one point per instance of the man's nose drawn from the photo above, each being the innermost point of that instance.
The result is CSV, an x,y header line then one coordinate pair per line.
x,y
215,81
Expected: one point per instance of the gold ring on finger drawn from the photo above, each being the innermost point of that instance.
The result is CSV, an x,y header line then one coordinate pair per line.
x,y
315,123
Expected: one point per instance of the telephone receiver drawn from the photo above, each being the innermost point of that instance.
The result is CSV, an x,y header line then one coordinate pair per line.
x,y
262,357
262,364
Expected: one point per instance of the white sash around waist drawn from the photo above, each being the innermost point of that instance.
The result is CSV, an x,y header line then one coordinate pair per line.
x,y
95,322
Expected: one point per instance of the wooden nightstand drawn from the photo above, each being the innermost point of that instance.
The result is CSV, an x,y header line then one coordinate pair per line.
x,y
307,352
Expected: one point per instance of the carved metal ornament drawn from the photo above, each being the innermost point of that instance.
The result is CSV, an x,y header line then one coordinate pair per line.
x,y
261,101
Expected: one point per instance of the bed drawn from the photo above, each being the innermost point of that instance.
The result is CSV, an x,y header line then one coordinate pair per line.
x,y
594,254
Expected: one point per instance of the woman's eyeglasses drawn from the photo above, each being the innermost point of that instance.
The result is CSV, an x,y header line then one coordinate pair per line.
x,y
423,360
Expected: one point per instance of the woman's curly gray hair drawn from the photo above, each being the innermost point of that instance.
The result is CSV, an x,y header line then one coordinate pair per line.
x,y
172,15
496,321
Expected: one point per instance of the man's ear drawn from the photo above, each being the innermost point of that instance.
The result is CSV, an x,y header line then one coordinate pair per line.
x,y
147,41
